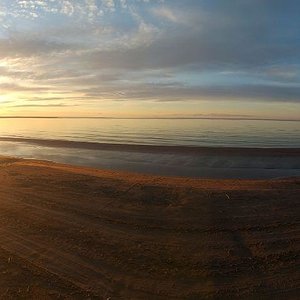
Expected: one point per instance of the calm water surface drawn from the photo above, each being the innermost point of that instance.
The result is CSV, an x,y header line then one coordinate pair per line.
x,y
229,133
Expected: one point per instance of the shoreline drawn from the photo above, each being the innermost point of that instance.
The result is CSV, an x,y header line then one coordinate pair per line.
x,y
69,231
143,148
183,161
144,177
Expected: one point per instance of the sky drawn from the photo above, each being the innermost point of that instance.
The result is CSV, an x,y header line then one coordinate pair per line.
x,y
150,58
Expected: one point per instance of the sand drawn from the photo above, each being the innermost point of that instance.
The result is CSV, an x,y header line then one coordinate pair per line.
x,y
78,233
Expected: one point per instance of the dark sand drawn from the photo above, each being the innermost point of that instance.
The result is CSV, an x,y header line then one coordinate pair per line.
x,y
181,161
196,150
77,233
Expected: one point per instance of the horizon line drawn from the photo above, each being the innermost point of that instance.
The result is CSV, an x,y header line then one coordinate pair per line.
x,y
152,118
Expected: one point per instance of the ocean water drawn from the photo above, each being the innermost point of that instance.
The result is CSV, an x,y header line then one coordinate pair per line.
x,y
26,138
195,132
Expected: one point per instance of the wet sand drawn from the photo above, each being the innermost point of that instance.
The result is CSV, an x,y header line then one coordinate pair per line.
x,y
79,233
184,161
196,150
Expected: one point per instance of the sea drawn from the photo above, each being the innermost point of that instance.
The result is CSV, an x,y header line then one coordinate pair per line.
x,y
190,132
17,136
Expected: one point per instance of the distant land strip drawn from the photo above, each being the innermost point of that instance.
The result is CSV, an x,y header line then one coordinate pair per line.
x,y
152,118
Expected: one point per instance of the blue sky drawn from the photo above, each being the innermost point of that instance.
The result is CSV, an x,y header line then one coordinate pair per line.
x,y
236,58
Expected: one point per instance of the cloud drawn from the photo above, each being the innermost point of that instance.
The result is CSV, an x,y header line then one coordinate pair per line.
x,y
87,50
44,105
12,87
177,92
167,13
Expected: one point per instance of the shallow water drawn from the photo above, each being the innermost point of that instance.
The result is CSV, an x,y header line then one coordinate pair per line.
x,y
35,138
239,165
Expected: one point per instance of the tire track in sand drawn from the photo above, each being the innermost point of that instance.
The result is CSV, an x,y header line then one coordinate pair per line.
x,y
64,265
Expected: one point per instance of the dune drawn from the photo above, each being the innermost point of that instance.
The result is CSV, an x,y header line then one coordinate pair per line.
x,y
82,233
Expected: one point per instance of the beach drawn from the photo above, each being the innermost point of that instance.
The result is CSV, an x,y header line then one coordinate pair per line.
x,y
149,150
71,232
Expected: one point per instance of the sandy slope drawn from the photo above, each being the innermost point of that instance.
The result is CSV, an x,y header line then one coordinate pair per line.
x,y
75,232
